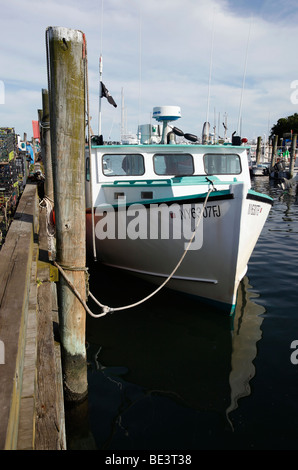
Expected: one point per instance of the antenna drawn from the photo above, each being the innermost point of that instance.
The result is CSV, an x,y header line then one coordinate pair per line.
x,y
140,64
122,114
100,92
100,72
214,127
225,124
243,81
101,27
210,70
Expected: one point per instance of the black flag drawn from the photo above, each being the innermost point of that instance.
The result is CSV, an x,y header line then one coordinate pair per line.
x,y
105,94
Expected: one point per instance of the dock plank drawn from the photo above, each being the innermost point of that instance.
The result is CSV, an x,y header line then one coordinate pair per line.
x,y
31,389
26,432
15,270
49,432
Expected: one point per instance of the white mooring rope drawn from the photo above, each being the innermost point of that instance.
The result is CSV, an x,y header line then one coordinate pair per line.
x,y
106,309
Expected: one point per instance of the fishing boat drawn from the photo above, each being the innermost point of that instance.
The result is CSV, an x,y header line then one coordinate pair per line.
x,y
260,169
179,215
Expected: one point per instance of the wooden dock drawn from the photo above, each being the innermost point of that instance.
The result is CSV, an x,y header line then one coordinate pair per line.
x,y
31,389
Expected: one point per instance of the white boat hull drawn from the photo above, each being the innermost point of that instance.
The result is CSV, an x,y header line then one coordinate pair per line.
x,y
216,260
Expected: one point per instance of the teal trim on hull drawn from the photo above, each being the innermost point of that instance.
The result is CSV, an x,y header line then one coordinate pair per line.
x,y
192,198
259,196
228,309
175,181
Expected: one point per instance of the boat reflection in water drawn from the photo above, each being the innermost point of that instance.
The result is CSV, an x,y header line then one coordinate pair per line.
x,y
167,374
245,335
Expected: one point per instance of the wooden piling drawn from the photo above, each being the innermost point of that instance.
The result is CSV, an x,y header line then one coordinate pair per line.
x,y
293,156
39,114
46,146
66,50
258,153
274,151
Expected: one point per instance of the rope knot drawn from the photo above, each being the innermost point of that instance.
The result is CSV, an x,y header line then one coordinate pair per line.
x,y
106,309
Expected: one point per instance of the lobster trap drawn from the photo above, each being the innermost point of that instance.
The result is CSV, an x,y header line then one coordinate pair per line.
x,y
12,178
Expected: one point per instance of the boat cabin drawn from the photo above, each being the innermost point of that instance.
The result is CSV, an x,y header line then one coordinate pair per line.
x,y
149,172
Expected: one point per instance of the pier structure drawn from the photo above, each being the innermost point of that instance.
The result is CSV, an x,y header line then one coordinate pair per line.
x,y
31,394
42,322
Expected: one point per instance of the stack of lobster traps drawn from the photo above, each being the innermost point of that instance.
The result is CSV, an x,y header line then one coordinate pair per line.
x,y
12,177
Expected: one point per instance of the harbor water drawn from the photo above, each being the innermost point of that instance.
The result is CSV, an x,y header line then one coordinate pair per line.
x,y
172,374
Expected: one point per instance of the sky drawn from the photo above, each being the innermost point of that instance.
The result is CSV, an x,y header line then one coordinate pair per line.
x,y
218,60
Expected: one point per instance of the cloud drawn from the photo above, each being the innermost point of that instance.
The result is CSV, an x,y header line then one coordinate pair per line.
x,y
159,53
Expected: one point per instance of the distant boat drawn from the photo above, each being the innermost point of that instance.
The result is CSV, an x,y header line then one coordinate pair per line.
x,y
172,212
260,169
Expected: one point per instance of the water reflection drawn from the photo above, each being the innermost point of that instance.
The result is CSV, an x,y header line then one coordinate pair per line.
x,y
283,215
246,333
272,188
167,374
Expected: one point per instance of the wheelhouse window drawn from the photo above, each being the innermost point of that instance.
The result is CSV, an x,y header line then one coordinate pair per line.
x,y
123,165
173,164
222,164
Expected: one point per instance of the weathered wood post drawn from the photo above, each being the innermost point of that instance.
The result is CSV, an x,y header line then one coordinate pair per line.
x,y
66,50
46,146
258,153
274,151
39,114
293,156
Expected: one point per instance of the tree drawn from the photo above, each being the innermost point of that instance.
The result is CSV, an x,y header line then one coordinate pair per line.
x,y
286,126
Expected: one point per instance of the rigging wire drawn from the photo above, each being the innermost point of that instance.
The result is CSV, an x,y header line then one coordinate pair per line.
x,y
210,72
89,152
140,63
101,27
100,70
243,80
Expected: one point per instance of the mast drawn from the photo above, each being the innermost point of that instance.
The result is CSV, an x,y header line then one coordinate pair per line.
x,y
225,124
243,81
209,82
122,114
214,128
100,71
100,93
